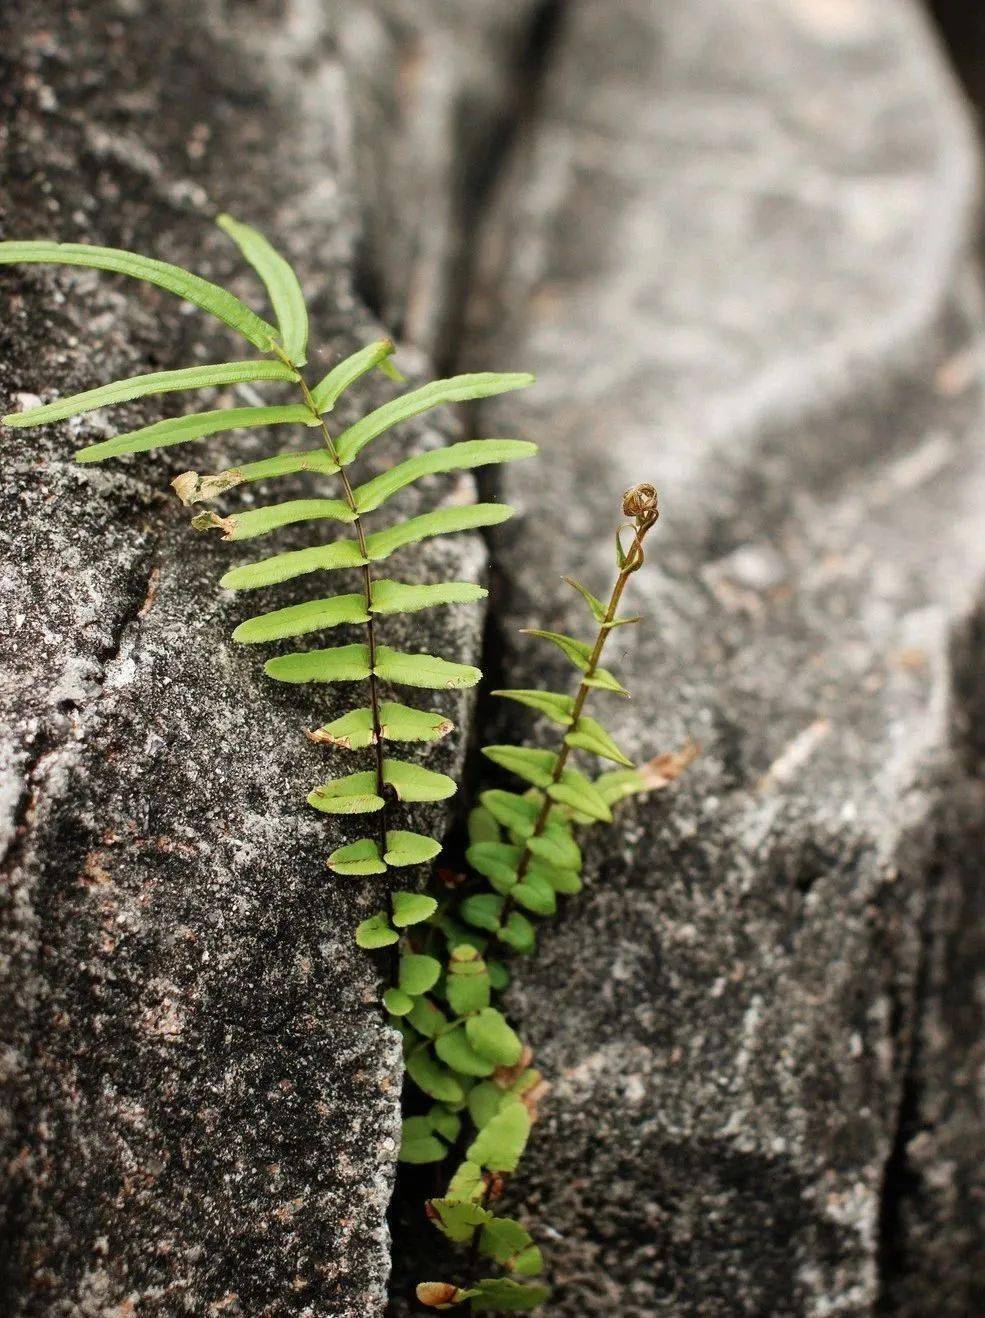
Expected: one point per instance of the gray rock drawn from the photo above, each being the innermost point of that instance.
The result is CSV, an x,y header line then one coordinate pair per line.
x,y
735,249
201,1099
735,245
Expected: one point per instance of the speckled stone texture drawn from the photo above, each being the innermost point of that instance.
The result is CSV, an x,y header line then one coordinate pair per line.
x,y
735,248
200,1097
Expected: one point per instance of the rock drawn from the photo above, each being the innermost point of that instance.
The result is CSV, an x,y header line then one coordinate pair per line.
x,y
735,242
202,1101
736,250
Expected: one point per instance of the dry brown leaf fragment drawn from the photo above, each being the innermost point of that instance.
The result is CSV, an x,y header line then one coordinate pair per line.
x,y
209,521
663,769
436,1294
506,1076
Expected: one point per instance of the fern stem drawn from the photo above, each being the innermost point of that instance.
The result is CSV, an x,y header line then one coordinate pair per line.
x,y
370,624
633,562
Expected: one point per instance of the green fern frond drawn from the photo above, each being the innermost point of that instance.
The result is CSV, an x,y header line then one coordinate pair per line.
x,y
295,563
297,619
281,283
199,425
356,730
399,597
157,382
192,488
455,457
424,670
344,663
557,708
458,389
190,288
332,386
443,521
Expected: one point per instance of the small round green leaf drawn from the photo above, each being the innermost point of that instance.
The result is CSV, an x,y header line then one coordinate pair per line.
x,y
561,880
376,932
495,861
418,973
484,1101
510,1244
426,1018
499,976
482,911
500,1143
362,857
535,894
518,933
482,826
404,848
433,1079
418,1143
458,1219
467,1182
515,812
576,791
467,986
455,1051
397,1002
411,908
557,846
492,1037
448,1124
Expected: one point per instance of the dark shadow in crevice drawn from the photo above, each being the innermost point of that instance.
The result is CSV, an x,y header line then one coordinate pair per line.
x,y
367,279
483,166
962,27
418,1252
931,1242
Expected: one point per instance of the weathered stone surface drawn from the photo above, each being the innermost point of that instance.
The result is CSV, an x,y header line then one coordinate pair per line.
x,y
736,253
200,1099
736,250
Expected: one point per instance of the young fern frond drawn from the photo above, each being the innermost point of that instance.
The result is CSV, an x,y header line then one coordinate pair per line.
x,y
523,855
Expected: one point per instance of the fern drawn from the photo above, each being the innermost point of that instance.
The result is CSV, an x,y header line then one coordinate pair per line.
x,y
469,1066
463,1057
367,729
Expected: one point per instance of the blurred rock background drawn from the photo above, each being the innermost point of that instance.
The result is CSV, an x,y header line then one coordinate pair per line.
x,y
738,243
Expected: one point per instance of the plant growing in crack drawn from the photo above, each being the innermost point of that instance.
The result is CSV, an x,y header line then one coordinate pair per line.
x,y
460,1051
462,1055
